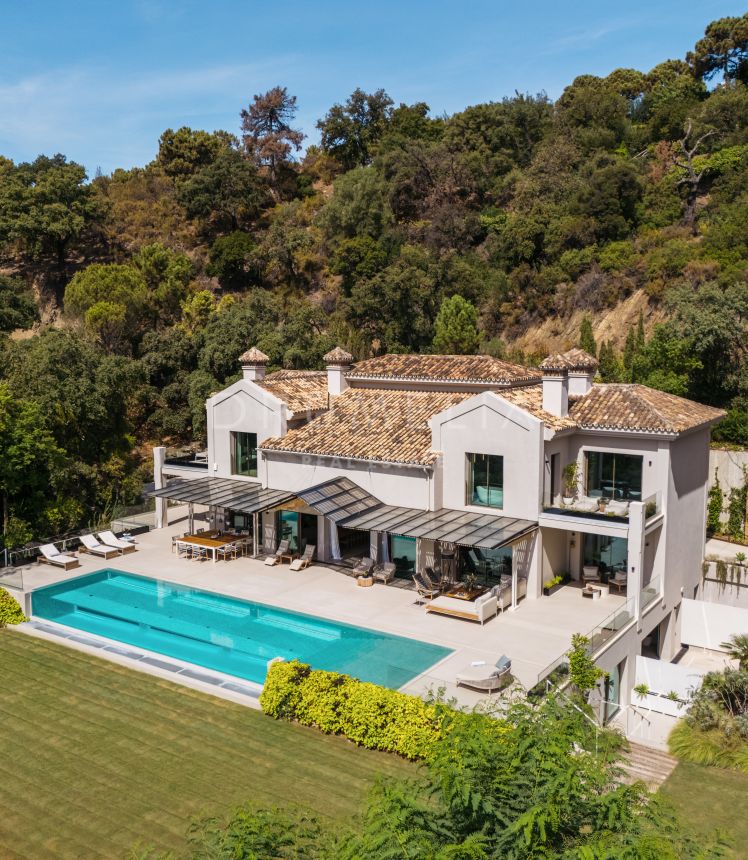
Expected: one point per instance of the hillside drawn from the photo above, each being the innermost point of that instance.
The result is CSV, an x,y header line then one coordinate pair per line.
x,y
615,218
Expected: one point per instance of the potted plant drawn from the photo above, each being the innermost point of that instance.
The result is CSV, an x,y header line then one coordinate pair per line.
x,y
571,481
642,690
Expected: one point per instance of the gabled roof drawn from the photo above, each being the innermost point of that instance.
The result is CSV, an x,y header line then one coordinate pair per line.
x,y
638,408
530,398
372,424
300,390
443,368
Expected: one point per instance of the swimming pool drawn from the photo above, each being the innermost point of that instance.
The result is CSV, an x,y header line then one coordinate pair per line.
x,y
226,634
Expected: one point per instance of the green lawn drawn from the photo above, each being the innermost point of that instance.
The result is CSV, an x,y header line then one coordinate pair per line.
x,y
96,757
707,798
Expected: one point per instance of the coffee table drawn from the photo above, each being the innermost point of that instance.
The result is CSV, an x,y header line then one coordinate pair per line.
x,y
463,592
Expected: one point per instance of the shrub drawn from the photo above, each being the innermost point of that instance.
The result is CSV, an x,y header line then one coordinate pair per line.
x,y
371,716
10,611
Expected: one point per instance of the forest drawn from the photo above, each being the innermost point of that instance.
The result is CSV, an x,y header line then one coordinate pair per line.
x,y
125,299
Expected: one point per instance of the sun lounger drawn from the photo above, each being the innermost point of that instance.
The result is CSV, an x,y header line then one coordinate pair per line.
x,y
109,539
282,550
484,677
51,555
90,544
305,559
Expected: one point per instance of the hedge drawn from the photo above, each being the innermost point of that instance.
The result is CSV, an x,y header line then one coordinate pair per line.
x,y
371,716
10,611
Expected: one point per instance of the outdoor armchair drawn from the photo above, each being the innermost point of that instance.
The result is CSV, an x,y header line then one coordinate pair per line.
x,y
385,572
363,567
424,587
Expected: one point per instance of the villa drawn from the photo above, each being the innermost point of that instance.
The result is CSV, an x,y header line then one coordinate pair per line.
x,y
485,470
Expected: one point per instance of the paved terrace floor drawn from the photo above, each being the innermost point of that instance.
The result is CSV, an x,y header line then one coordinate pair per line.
x,y
533,636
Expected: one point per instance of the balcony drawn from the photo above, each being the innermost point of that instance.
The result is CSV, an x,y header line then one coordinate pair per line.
x,y
591,508
197,460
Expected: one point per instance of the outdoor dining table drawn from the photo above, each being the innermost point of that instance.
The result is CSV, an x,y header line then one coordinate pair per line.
x,y
212,541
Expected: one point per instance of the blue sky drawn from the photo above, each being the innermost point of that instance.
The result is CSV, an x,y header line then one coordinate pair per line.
x,y
99,81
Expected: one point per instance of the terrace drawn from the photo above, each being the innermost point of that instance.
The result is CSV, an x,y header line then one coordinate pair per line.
x,y
535,636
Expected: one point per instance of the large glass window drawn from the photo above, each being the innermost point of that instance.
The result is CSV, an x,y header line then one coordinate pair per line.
x,y
614,476
610,554
403,553
485,480
244,454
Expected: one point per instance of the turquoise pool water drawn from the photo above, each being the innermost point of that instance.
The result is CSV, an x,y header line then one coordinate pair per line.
x,y
234,636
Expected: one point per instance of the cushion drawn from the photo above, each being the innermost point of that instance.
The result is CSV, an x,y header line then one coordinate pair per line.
x,y
503,663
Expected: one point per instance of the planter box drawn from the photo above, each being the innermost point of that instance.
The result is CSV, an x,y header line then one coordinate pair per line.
x,y
553,589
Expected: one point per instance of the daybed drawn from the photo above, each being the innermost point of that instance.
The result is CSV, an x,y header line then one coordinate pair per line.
x,y
481,610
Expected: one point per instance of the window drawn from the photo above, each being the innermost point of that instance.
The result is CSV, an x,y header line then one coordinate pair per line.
x,y
485,480
614,476
244,454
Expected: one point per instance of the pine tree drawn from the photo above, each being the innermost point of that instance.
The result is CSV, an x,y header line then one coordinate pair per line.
x,y
609,368
587,338
456,327
640,339
629,354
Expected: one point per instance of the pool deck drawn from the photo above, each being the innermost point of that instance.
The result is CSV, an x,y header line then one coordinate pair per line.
x,y
533,636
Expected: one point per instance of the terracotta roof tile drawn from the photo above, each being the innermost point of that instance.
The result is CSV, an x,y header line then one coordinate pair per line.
x,y
443,368
372,424
300,390
253,356
530,398
572,359
338,356
638,408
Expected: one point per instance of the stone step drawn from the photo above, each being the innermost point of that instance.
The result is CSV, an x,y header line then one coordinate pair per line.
x,y
651,766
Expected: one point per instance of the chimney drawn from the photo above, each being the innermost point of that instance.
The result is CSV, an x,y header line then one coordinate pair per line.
x,y
253,364
582,368
555,385
338,363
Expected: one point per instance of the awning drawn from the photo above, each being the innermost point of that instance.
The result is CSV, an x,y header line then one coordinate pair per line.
x,y
339,499
460,527
350,506
238,496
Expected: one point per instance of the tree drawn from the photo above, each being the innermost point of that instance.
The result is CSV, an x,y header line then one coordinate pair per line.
x,y
723,49
45,208
227,191
17,305
268,136
587,338
456,327
167,276
357,259
183,152
691,178
234,261
358,206
737,649
29,458
121,293
350,132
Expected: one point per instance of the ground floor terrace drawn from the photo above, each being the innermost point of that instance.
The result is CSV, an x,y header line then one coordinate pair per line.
x,y
534,637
